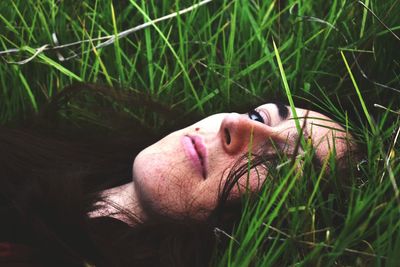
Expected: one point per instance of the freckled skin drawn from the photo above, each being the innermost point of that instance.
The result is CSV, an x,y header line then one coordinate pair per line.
x,y
168,182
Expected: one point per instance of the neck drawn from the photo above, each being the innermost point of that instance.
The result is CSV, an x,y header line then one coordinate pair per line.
x,y
116,200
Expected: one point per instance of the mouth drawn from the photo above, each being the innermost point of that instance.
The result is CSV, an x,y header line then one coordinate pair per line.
x,y
196,151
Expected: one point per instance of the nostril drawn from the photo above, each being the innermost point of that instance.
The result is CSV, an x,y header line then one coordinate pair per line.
x,y
227,136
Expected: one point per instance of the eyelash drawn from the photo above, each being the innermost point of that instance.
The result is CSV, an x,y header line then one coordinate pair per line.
x,y
253,113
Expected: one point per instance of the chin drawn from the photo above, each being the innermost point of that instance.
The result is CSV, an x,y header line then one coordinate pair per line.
x,y
144,169
144,178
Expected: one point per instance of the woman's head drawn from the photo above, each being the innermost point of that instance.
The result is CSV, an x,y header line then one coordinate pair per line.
x,y
183,173
71,172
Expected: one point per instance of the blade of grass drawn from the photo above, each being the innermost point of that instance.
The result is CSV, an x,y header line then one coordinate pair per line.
x,y
249,253
288,92
149,53
53,64
364,19
185,73
360,98
28,90
316,186
117,48
229,51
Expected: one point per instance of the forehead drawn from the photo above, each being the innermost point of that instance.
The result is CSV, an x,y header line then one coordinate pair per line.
x,y
269,106
284,111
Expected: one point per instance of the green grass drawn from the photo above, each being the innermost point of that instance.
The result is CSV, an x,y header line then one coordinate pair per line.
x,y
231,53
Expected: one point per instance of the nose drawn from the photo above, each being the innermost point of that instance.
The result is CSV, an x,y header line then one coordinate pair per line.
x,y
238,132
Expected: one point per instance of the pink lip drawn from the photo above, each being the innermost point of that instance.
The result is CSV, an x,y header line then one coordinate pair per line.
x,y
196,151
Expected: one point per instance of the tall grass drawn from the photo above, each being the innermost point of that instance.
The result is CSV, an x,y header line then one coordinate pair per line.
x,y
338,56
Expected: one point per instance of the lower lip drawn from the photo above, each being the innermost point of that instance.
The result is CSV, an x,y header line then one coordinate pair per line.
x,y
191,153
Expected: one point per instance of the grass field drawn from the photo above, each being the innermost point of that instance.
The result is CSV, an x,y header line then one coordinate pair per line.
x,y
342,57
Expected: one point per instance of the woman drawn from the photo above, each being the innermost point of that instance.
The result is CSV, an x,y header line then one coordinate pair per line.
x,y
68,202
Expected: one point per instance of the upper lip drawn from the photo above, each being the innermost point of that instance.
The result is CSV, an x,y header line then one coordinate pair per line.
x,y
201,150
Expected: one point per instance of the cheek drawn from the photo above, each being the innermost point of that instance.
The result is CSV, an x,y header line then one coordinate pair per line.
x,y
250,182
208,193
325,141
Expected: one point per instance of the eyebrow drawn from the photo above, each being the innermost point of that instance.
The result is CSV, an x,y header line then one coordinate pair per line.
x,y
283,110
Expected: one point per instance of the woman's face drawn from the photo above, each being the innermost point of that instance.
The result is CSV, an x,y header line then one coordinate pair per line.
x,y
182,174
